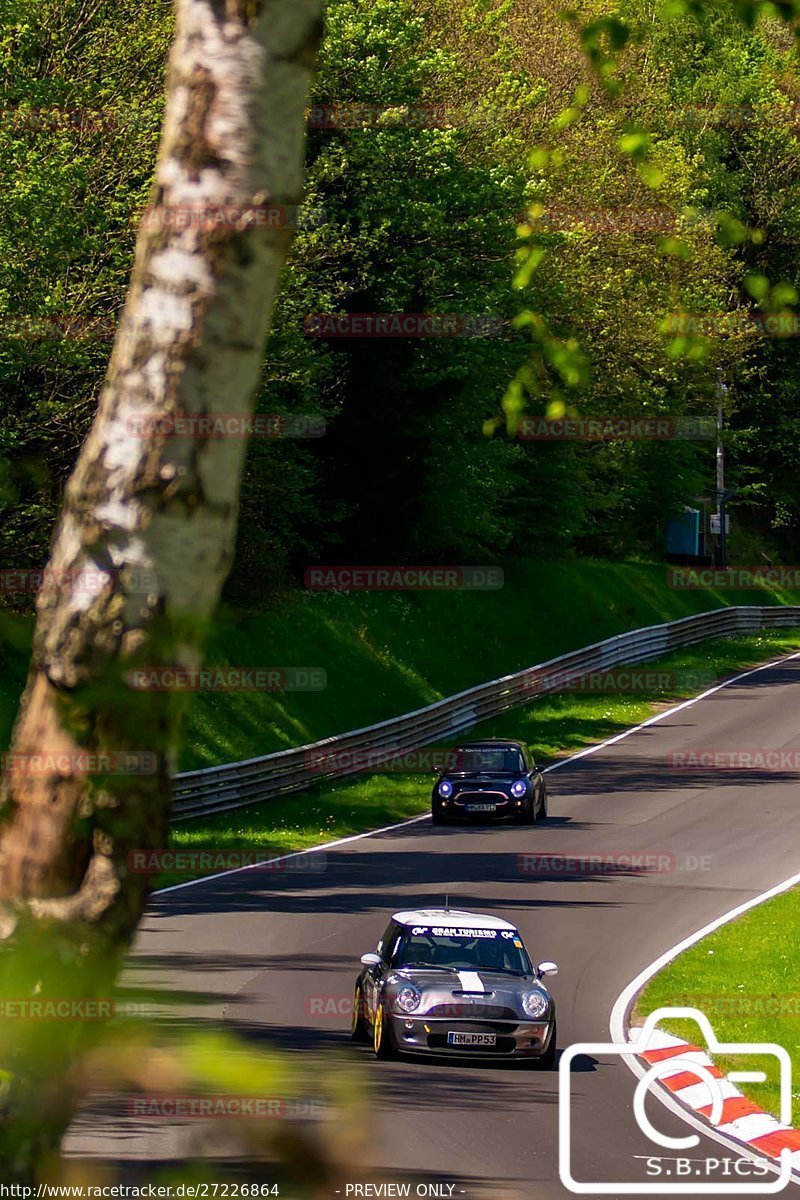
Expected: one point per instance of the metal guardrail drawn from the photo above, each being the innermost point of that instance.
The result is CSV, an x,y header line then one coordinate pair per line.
x,y
236,785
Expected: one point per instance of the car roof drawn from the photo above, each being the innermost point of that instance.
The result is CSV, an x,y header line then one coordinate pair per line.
x,y
450,918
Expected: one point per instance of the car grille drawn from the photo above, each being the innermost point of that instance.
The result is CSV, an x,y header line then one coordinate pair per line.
x,y
481,798
458,1010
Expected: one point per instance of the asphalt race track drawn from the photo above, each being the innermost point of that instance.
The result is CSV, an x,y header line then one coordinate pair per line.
x,y
268,950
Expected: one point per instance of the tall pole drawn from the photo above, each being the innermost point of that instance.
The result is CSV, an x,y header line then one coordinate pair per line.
x,y
721,390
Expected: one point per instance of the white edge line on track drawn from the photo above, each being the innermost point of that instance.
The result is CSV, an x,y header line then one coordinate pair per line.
x,y
617,1023
562,762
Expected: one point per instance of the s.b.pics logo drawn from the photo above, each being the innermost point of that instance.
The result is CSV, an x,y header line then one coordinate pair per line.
x,y
688,1074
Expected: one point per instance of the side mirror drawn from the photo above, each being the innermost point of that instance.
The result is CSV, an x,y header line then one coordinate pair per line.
x,y
547,968
438,770
370,960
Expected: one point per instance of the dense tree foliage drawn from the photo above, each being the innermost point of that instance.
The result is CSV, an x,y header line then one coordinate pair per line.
x,y
434,129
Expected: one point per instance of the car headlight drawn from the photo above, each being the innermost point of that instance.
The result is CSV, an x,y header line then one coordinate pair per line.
x,y
408,997
519,787
535,1004
445,788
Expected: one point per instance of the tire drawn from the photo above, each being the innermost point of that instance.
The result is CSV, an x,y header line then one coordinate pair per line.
x,y
548,1060
438,818
543,808
528,816
382,1042
359,1031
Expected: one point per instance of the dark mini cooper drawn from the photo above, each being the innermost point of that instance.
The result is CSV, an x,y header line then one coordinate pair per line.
x,y
455,984
490,779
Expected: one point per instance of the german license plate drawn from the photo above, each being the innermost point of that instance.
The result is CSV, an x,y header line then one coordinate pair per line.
x,y
471,1039
481,807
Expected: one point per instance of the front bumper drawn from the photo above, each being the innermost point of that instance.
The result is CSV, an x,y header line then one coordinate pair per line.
x,y
424,1035
457,809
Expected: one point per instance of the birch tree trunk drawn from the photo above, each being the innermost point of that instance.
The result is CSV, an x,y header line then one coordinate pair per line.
x,y
153,517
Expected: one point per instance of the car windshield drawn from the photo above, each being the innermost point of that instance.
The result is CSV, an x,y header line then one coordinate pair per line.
x,y
462,949
491,759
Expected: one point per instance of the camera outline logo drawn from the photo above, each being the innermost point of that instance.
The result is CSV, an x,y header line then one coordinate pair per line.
x,y
638,1044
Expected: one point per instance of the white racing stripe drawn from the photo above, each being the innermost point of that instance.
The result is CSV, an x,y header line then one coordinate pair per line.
x,y
470,981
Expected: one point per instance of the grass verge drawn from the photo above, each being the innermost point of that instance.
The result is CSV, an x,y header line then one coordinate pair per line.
x,y
744,977
553,726
387,653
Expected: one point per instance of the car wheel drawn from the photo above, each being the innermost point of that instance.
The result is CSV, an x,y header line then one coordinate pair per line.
x,y
382,1036
548,1060
359,1031
528,814
543,805
437,817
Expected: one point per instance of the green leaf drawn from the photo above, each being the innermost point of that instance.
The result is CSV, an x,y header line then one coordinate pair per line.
x,y
567,117
532,259
730,230
636,143
757,286
674,247
783,295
